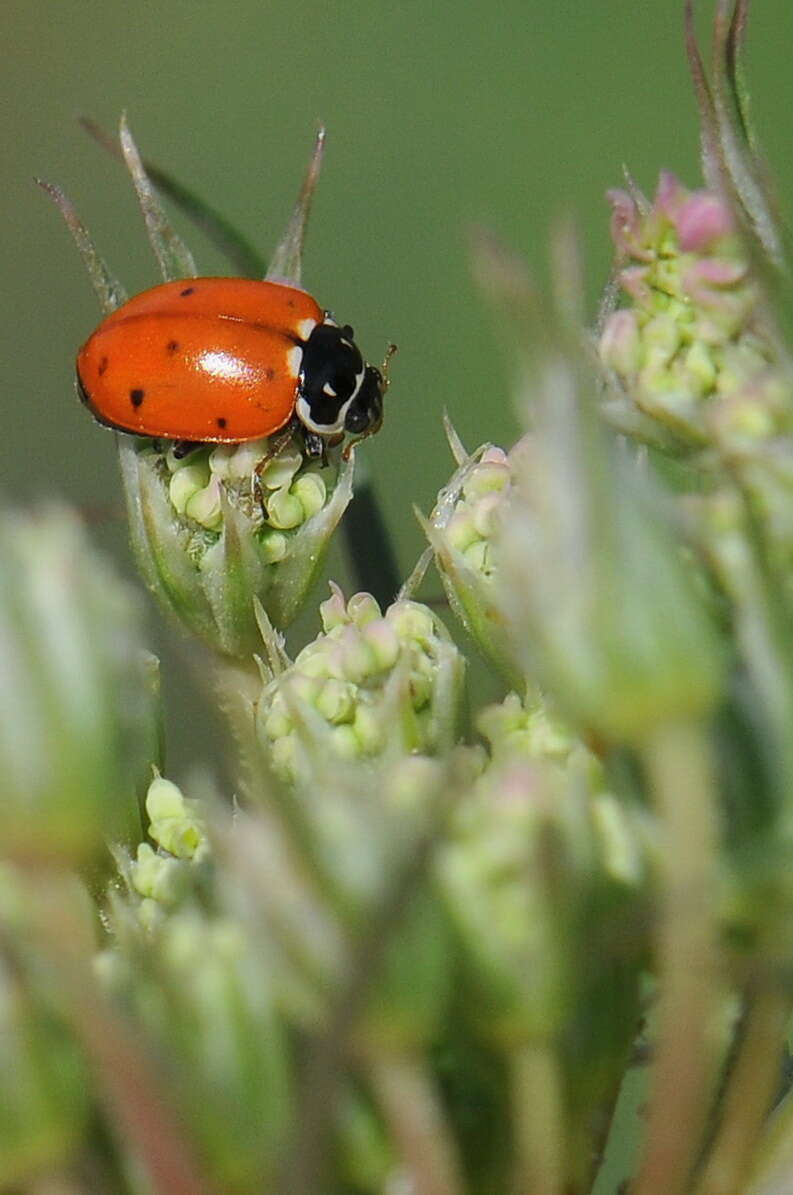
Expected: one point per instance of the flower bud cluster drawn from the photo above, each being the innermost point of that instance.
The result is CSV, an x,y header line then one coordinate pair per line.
x,y
535,843
210,536
690,349
164,877
371,681
528,731
470,528
291,490
463,530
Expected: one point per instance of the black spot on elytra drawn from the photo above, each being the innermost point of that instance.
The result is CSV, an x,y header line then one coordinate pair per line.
x,y
221,422
136,397
102,366
290,302
172,346
188,290
270,374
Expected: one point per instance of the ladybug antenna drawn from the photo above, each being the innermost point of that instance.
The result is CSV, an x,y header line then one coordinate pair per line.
x,y
384,370
287,260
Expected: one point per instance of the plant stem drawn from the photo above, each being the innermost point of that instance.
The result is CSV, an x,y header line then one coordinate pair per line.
x,y
238,686
538,1119
678,759
750,1093
417,1122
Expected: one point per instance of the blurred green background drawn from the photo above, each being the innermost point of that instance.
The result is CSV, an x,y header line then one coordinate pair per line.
x,y
441,116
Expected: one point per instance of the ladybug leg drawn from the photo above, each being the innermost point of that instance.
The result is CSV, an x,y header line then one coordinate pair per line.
x,y
183,448
276,445
313,445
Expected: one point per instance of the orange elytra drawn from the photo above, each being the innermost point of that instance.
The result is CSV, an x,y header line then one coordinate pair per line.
x,y
225,360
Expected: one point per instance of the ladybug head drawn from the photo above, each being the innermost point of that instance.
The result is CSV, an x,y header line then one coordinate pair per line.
x,y
365,412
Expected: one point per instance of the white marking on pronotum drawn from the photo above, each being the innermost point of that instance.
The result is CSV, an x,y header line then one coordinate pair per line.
x,y
306,327
303,412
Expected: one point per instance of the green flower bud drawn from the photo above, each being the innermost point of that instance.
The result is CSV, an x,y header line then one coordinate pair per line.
x,y
284,510
206,506
280,471
79,712
174,823
186,483
181,867
462,530
531,731
369,684
310,492
158,878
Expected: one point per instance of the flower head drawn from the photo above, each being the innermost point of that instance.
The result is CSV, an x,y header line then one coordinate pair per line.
x,y
463,533
207,546
373,684
602,607
691,348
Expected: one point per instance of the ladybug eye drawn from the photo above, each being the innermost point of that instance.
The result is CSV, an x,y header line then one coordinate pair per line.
x,y
357,420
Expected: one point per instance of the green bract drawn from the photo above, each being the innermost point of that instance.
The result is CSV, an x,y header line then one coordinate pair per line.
x,y
79,695
43,1086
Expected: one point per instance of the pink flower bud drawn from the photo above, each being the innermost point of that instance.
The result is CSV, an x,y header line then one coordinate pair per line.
x,y
620,345
702,220
625,223
670,196
633,281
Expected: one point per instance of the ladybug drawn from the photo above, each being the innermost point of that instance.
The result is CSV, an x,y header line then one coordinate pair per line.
x,y
224,360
